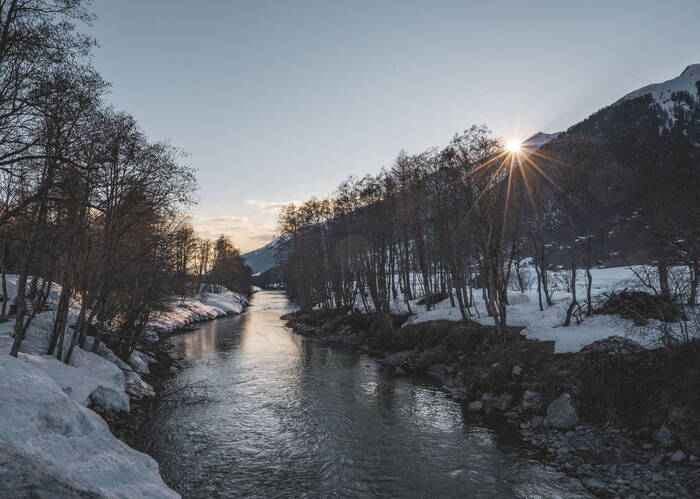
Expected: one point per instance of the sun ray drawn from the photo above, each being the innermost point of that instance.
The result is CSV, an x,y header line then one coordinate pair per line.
x,y
544,156
542,172
530,195
491,180
508,186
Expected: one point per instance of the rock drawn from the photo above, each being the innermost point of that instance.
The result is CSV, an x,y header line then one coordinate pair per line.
x,y
460,393
476,406
678,456
656,460
648,446
684,424
664,436
594,484
487,396
501,402
561,414
531,401
398,358
584,469
536,422
440,371
613,345
517,370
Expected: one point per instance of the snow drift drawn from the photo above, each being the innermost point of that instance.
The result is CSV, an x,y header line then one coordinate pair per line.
x,y
51,444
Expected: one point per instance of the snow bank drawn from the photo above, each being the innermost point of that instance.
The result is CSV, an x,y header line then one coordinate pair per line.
x,y
216,301
87,373
523,311
53,446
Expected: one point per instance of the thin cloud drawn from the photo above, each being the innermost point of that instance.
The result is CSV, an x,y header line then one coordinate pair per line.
x,y
230,219
266,238
269,206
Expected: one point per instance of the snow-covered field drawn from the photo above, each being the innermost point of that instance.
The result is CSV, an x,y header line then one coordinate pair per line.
x,y
51,443
523,311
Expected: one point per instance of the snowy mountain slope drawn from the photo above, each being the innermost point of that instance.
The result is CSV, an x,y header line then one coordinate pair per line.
x,y
649,137
688,81
265,258
539,139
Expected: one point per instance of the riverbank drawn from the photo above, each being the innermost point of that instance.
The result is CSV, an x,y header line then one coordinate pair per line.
x,y
54,441
617,417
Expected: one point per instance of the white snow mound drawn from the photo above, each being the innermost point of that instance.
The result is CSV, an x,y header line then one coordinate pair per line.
x,y
52,446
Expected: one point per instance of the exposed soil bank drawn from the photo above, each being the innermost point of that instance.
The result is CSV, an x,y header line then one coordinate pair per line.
x,y
623,420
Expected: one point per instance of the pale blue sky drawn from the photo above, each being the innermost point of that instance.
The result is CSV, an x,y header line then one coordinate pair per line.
x,y
280,100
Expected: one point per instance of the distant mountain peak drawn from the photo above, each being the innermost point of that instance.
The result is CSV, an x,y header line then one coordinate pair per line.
x,y
267,257
692,69
539,139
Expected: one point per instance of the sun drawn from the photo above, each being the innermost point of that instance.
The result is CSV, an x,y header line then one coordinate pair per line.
x,y
513,146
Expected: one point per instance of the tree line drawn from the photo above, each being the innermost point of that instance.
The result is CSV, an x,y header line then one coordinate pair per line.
x,y
88,201
439,222
474,218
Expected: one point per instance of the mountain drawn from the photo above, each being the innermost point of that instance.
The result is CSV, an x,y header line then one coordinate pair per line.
x,y
538,140
634,168
675,100
265,258
688,81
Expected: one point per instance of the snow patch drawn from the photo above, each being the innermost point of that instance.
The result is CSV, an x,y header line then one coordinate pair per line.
x,y
546,325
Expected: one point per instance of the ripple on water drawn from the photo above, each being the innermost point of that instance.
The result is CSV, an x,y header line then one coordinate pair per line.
x,y
272,414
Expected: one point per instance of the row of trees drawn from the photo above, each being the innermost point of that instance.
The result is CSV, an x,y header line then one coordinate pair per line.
x,y
473,217
439,222
86,199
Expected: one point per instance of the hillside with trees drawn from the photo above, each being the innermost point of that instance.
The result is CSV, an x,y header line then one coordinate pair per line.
x,y
619,188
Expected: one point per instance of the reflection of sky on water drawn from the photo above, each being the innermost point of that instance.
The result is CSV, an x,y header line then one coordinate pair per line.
x,y
284,416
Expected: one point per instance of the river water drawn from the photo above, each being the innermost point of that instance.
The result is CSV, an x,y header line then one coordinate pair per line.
x,y
262,412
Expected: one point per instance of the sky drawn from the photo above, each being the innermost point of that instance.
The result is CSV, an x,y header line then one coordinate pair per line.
x,y
277,101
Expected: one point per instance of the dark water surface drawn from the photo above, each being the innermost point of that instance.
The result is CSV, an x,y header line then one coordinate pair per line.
x,y
262,412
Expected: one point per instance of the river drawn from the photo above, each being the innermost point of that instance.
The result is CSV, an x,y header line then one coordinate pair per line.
x,y
261,412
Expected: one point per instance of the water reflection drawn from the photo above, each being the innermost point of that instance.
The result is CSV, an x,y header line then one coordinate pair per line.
x,y
276,415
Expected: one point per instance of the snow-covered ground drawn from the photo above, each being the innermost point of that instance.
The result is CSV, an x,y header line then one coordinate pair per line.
x,y
216,301
523,311
51,444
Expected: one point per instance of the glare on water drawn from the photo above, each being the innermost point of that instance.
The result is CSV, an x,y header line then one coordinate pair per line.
x,y
267,413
